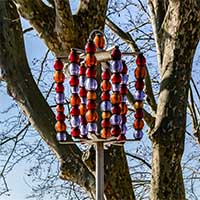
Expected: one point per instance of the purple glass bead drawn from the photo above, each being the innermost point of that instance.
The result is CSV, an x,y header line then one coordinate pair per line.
x,y
75,121
124,98
91,84
83,129
92,127
106,106
83,100
61,137
104,66
139,95
115,119
73,69
124,129
82,81
60,98
116,66
74,90
115,87
124,78
138,134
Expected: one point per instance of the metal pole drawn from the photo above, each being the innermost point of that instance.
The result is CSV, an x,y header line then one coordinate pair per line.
x,y
99,171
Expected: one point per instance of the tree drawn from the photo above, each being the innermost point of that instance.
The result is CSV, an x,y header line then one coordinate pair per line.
x,y
176,32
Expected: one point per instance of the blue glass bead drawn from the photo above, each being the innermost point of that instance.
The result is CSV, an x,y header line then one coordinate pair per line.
x,y
91,84
124,129
82,81
124,98
115,87
138,134
83,129
106,106
74,90
92,127
124,78
73,69
139,95
75,121
61,137
115,119
83,100
116,66
60,98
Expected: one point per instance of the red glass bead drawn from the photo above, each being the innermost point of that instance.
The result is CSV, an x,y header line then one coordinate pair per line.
x,y
74,81
123,119
91,72
99,41
59,88
91,116
73,57
116,78
140,60
60,108
138,124
105,75
90,47
116,109
116,53
91,105
123,89
115,131
140,72
75,132
105,123
82,92
60,126
82,70
106,86
105,96
90,60
121,137
105,133
58,65
125,68
83,120
138,114
75,111
59,77
60,116
139,84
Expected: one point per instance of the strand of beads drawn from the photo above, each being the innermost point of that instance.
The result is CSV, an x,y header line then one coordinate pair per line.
x,y
116,68
75,99
91,87
123,105
59,78
140,74
83,96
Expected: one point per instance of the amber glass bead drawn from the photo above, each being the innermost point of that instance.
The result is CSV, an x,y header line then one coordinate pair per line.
x,y
115,98
60,108
138,114
91,116
125,68
82,92
74,81
106,85
124,108
116,78
91,105
115,131
138,124
59,77
75,111
116,109
60,126
83,109
140,60
58,65
91,95
105,133
105,96
138,104
140,72
139,84
75,100
60,116
105,115
73,57
90,60
75,132
99,41
105,123
105,75
116,53
91,72
90,47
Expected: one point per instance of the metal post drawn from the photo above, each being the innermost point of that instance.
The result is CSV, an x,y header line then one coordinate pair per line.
x,y
99,171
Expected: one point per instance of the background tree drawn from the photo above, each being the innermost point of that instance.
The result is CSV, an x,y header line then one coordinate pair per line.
x,y
176,32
